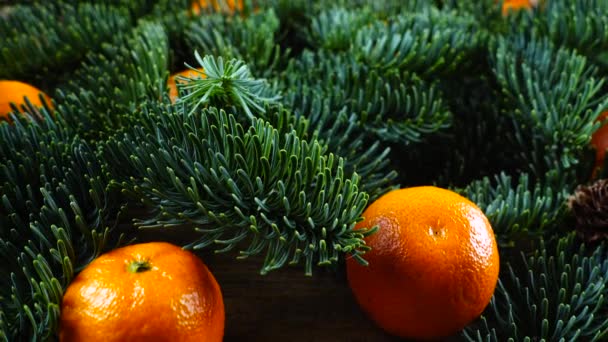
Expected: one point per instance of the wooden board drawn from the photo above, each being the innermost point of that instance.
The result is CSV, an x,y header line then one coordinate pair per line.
x,y
286,305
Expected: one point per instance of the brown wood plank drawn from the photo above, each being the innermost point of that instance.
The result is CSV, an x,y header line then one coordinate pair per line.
x,y
286,305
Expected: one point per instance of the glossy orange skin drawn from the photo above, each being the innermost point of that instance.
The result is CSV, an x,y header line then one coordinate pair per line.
x,y
172,82
177,299
231,4
599,140
433,266
509,5
15,91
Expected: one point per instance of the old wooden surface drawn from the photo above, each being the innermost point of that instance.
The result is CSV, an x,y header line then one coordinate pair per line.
x,y
286,305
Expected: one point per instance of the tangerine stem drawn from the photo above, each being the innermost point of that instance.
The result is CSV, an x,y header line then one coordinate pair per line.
x,y
137,266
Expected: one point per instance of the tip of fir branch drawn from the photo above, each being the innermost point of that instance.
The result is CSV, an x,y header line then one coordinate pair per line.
x,y
227,83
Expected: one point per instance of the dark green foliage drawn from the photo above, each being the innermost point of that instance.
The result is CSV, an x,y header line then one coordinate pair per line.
x,y
391,107
516,208
384,111
235,184
581,24
488,14
341,133
556,294
251,39
489,142
555,98
427,42
294,16
55,217
309,110
333,29
110,83
382,8
39,40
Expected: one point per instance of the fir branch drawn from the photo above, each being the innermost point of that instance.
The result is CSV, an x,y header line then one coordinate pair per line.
x,y
488,14
112,83
235,184
41,39
56,214
556,98
383,111
137,8
175,18
557,294
402,109
251,39
343,136
578,24
161,10
518,207
281,118
333,29
369,88
227,84
3,324
429,42
397,108
383,9
389,7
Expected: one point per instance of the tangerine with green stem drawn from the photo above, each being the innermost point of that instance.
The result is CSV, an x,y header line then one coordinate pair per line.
x,y
144,292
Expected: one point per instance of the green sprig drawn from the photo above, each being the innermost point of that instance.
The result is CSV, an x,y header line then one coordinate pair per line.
x,y
556,294
226,84
219,182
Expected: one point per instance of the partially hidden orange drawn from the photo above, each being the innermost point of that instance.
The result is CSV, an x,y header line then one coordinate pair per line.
x,y
144,292
15,92
433,264
173,80
599,141
511,5
218,5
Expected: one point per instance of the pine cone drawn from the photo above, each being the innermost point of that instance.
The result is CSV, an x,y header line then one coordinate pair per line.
x,y
589,203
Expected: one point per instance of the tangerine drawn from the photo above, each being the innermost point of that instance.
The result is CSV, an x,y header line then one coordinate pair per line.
x,y
149,291
172,82
509,5
599,140
231,5
16,92
433,266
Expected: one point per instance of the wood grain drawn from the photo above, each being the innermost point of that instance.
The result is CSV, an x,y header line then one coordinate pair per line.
x,y
286,305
